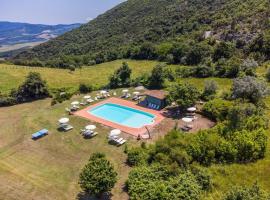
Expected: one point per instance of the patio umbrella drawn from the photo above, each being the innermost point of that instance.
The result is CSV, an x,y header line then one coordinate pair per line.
x,y
90,127
136,93
187,120
74,103
125,91
63,120
87,97
115,132
192,109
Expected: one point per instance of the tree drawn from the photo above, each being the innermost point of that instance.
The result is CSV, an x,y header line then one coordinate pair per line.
x,y
210,89
223,50
197,53
121,77
98,175
157,78
247,193
155,182
249,67
185,95
33,88
249,88
83,88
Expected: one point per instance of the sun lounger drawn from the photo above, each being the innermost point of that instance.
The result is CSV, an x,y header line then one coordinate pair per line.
x,y
90,134
83,103
120,141
96,99
66,127
90,100
40,134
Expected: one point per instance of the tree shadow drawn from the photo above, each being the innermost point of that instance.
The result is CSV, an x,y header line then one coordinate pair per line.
x,y
85,196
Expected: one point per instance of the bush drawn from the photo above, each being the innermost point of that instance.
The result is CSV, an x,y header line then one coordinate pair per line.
x,y
223,50
7,101
98,175
137,157
84,89
156,182
247,193
61,95
203,71
210,90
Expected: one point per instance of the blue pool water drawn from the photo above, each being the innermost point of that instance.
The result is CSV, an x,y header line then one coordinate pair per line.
x,y
123,115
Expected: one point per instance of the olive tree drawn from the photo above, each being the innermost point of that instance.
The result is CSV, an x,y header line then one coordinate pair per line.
x,y
249,88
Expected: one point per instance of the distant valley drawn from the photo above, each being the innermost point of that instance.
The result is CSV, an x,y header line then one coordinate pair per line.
x,y
20,36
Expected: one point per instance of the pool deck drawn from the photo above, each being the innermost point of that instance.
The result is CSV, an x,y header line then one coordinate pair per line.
x,y
132,131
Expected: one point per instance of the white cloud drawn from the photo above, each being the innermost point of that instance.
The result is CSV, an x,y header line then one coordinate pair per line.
x,y
88,19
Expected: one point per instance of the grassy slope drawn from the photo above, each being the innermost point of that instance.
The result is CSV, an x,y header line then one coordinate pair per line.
x,y
49,168
11,76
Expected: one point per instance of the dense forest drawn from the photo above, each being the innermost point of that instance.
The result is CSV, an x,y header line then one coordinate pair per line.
x,y
176,31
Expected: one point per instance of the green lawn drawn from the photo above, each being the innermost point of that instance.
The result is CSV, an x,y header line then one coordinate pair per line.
x,y
49,168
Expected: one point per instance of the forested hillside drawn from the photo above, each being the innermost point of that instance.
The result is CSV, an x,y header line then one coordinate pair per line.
x,y
176,31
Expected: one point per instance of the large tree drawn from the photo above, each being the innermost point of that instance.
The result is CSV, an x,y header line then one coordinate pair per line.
x,y
249,88
121,77
184,94
157,78
33,88
98,175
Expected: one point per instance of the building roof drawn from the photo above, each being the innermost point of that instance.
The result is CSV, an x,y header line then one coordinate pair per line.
x,y
159,94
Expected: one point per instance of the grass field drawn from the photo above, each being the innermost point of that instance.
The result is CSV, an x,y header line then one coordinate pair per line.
x,y
49,168
12,76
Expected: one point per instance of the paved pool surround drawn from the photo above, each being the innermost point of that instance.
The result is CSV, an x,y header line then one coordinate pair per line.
x,y
132,131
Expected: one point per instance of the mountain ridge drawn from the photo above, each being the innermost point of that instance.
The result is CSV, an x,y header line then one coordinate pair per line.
x,y
122,31
18,32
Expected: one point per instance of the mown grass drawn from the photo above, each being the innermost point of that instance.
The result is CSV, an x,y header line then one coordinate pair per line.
x,y
49,168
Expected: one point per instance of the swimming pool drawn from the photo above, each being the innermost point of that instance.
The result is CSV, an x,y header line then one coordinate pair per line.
x,y
123,115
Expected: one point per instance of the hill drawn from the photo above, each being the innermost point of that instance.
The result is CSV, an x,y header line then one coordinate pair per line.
x,y
17,33
18,37
156,29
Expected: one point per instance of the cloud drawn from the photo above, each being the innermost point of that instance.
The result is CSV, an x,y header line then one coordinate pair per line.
x,y
88,19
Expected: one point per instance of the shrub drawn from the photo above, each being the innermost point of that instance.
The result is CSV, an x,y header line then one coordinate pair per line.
x,y
155,182
84,89
7,101
137,156
210,90
247,193
223,50
98,175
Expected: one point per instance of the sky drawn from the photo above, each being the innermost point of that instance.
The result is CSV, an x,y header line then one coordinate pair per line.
x,y
54,11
